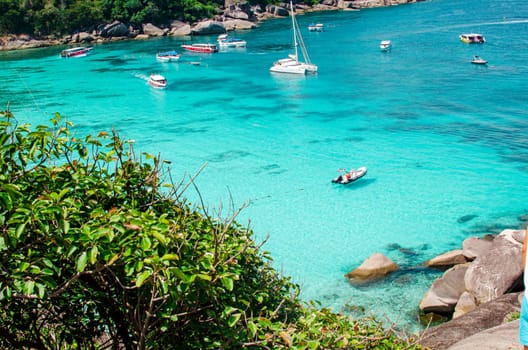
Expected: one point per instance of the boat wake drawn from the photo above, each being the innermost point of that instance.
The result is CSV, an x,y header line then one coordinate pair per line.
x,y
141,76
494,23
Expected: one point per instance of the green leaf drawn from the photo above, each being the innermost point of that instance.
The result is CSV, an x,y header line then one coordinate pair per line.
x,y
233,319
93,254
228,310
41,290
12,189
28,287
161,238
228,283
145,243
65,226
252,328
23,266
5,201
174,257
81,262
20,229
142,277
184,277
204,276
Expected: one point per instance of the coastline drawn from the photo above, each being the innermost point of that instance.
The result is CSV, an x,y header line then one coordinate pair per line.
x,y
231,18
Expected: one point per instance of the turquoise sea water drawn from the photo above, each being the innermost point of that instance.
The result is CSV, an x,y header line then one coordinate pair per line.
x,y
445,142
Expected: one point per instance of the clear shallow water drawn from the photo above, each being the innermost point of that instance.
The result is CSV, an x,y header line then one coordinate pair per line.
x,y
444,141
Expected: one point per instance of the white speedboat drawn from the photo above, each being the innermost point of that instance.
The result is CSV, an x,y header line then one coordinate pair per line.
x,y
292,64
478,60
168,56
80,51
225,41
350,176
157,81
318,27
385,45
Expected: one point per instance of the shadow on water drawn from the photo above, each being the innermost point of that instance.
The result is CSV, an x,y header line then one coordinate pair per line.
x,y
356,184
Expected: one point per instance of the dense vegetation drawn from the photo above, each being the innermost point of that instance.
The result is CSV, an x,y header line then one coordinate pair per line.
x,y
57,17
99,250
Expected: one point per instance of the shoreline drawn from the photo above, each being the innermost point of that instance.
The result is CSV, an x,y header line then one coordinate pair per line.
x,y
227,21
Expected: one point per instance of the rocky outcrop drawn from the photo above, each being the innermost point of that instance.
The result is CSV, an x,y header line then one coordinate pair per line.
x,y
486,316
375,266
445,291
473,247
207,28
497,270
501,337
447,260
21,42
83,37
178,28
115,29
490,295
237,24
466,303
151,30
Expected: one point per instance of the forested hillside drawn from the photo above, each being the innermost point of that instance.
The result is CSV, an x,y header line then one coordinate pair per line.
x,y
58,17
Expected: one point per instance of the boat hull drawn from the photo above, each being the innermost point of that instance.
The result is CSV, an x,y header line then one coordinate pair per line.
x,y
201,48
75,52
226,42
167,56
316,27
157,81
385,45
472,38
288,65
345,180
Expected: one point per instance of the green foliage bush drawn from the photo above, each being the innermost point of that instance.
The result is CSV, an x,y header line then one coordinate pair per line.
x,y
99,250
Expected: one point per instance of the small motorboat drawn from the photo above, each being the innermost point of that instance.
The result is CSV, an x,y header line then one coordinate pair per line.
x,y
317,27
472,38
478,60
225,41
202,48
80,51
168,56
385,45
350,176
157,81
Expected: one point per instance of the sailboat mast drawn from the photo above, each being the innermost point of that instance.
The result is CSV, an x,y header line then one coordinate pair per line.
x,y
294,32
301,44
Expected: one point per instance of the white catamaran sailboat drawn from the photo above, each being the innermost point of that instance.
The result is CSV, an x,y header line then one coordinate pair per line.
x,y
292,64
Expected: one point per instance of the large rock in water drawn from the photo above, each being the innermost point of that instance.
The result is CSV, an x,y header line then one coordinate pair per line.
x,y
444,293
489,277
375,266
447,260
